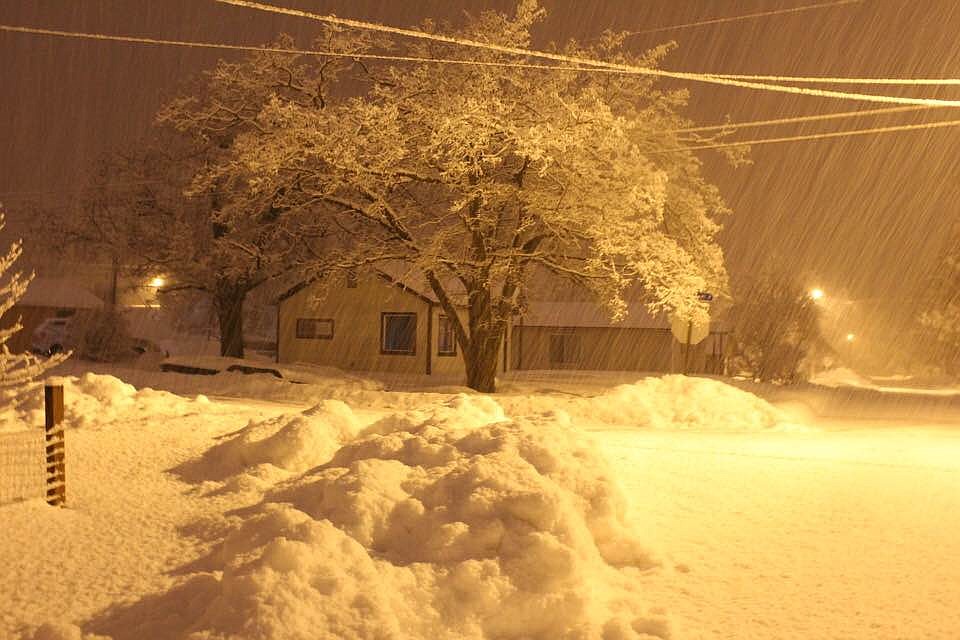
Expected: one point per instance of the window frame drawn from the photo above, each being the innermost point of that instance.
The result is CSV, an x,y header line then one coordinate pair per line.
x,y
453,337
384,315
299,334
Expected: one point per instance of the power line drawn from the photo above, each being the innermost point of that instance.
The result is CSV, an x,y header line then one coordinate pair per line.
x,y
794,119
603,68
614,69
307,52
83,35
915,82
748,16
575,60
820,136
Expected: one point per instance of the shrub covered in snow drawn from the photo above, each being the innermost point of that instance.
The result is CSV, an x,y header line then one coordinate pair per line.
x,y
106,337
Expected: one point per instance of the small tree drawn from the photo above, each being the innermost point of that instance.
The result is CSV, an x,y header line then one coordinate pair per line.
x,y
775,327
17,370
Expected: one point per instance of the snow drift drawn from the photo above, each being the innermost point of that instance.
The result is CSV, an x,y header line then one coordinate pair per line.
x,y
293,442
448,523
667,402
841,377
93,399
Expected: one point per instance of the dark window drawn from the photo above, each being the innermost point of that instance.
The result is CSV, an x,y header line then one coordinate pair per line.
x,y
446,340
398,333
315,328
564,348
351,278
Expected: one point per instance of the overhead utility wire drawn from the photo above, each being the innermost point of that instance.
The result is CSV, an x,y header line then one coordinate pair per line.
x,y
605,68
747,16
844,80
697,77
307,52
793,119
819,136
156,41
214,45
83,35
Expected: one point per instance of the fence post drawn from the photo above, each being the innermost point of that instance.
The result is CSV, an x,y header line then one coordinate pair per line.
x,y
55,445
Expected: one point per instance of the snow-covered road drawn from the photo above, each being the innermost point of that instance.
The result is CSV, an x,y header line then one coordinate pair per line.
x,y
849,532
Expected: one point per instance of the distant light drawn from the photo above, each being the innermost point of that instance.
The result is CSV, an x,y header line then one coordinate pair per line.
x,y
157,282
817,294
851,337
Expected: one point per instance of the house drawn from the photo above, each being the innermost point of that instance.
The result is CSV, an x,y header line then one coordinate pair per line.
x,y
390,322
48,297
386,321
581,336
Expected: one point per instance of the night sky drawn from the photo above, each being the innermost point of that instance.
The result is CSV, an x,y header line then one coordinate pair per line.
x,y
860,216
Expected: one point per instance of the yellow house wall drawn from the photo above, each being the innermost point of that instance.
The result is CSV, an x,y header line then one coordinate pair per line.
x,y
356,315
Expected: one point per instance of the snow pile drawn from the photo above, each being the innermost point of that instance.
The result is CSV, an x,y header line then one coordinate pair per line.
x,y
682,402
841,377
294,442
449,524
266,379
670,402
93,399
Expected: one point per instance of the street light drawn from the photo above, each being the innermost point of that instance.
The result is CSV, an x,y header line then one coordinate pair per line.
x,y
817,293
851,337
157,282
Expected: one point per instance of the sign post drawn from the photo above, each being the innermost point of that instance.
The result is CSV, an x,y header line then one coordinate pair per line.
x,y
689,333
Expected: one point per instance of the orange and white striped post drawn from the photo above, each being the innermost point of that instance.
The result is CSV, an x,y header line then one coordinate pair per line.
x,y
55,445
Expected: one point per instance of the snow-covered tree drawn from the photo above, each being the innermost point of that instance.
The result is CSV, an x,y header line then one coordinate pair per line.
x,y
17,370
221,239
775,326
476,175
941,308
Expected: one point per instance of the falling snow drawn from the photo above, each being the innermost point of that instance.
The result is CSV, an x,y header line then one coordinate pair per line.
x,y
291,264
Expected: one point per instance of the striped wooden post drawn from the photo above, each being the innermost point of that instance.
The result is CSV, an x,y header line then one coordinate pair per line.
x,y
55,445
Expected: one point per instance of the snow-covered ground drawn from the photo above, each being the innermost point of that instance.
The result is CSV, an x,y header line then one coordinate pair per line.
x,y
562,508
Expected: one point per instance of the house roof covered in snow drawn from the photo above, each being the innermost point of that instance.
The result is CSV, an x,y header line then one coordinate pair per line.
x,y
63,293
541,313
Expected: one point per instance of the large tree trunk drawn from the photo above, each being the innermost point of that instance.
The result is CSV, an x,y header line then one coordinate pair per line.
x,y
481,360
480,340
480,355
229,298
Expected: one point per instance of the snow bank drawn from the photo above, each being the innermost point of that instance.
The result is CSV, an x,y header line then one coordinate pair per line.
x,y
668,402
93,399
448,523
294,442
841,377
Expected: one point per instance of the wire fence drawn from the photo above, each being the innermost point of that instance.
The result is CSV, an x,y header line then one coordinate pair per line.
x,y
23,473
33,461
